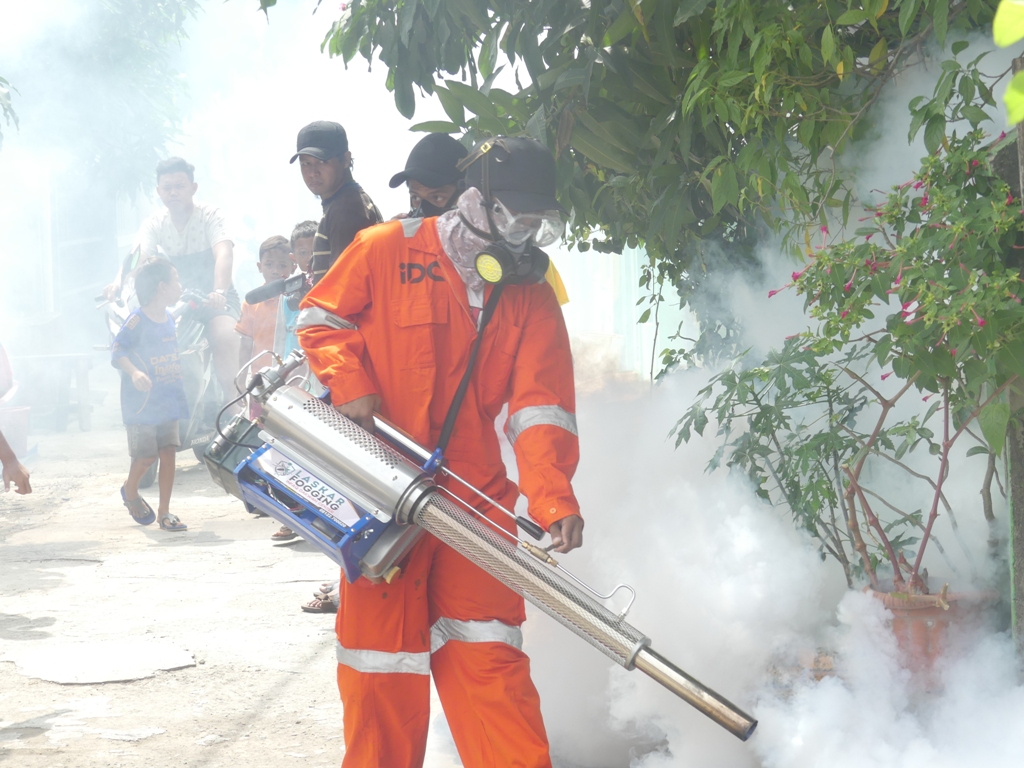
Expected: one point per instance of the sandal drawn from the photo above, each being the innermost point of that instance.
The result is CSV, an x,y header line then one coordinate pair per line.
x,y
284,533
139,509
172,523
320,605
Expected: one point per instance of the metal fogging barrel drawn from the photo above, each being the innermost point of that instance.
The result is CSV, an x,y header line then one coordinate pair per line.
x,y
373,472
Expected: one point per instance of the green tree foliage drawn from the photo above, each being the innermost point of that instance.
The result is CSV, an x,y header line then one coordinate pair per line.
x,y
675,122
927,294
103,90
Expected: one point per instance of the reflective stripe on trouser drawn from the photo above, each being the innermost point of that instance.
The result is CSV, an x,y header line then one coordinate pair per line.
x,y
443,630
444,602
383,662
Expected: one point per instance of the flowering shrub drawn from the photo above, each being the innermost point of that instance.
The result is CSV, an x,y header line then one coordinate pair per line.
x,y
928,292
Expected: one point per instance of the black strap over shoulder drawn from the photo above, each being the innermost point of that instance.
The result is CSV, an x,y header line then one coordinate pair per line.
x,y
460,393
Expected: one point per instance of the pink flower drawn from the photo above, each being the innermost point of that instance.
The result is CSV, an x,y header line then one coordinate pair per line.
x,y
1002,136
1009,199
797,275
824,229
974,163
848,287
953,352
979,320
868,237
886,375
924,200
843,314
926,398
918,184
777,290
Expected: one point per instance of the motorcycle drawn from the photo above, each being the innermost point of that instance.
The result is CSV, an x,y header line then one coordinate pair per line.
x,y
201,389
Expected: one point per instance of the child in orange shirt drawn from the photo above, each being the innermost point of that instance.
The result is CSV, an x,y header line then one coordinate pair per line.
x,y
262,326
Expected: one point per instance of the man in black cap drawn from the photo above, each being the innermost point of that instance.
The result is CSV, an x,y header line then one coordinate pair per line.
x,y
326,163
432,175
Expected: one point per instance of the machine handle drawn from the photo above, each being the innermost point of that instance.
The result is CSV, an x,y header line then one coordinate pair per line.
x,y
530,527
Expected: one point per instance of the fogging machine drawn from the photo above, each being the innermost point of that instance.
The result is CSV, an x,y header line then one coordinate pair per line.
x,y
365,499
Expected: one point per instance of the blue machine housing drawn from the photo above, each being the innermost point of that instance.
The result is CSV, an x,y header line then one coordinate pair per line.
x,y
346,544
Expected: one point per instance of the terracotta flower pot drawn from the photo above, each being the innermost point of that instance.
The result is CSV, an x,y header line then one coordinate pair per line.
x,y
921,624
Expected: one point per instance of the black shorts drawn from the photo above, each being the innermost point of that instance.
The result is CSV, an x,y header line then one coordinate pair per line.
x,y
145,441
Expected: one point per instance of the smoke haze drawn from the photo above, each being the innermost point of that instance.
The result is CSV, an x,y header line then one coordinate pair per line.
x,y
727,588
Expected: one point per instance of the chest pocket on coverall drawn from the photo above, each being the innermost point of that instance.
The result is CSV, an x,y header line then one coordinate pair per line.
x,y
498,363
418,318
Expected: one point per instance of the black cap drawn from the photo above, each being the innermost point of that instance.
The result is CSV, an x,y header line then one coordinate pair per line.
x,y
322,140
432,162
521,173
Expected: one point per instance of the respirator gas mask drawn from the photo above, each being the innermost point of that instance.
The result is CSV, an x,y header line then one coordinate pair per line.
x,y
513,254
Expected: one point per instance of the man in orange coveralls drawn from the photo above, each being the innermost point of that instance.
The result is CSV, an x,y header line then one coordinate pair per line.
x,y
390,329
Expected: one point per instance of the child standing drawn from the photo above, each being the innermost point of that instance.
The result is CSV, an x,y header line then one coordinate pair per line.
x,y
262,326
152,390
302,243
302,254
258,320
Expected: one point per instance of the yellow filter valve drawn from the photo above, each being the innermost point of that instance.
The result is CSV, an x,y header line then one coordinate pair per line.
x,y
489,268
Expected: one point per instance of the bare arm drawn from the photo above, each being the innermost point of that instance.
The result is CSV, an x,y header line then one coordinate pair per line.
x,y
223,254
139,379
13,471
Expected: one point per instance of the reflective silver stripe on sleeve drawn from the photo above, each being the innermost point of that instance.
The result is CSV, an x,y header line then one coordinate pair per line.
x,y
411,226
534,416
383,662
311,316
474,632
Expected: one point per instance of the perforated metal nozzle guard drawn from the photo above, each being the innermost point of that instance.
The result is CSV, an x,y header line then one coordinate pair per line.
x,y
377,476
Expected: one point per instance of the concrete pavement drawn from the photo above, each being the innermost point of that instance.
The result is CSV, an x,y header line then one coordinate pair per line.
x,y
123,645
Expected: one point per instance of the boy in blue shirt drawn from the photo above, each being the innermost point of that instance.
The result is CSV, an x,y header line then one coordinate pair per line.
x,y
152,390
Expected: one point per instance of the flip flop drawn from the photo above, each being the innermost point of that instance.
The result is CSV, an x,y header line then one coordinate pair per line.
x,y
320,605
137,505
284,533
172,523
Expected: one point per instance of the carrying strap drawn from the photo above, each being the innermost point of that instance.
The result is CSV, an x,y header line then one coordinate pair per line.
x,y
460,393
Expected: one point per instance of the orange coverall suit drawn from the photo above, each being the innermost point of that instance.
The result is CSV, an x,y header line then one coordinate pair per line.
x,y
392,317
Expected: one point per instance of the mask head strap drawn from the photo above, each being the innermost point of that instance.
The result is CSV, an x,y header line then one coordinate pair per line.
x,y
480,153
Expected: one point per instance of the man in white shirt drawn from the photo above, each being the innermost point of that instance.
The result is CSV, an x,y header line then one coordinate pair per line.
x,y
193,236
